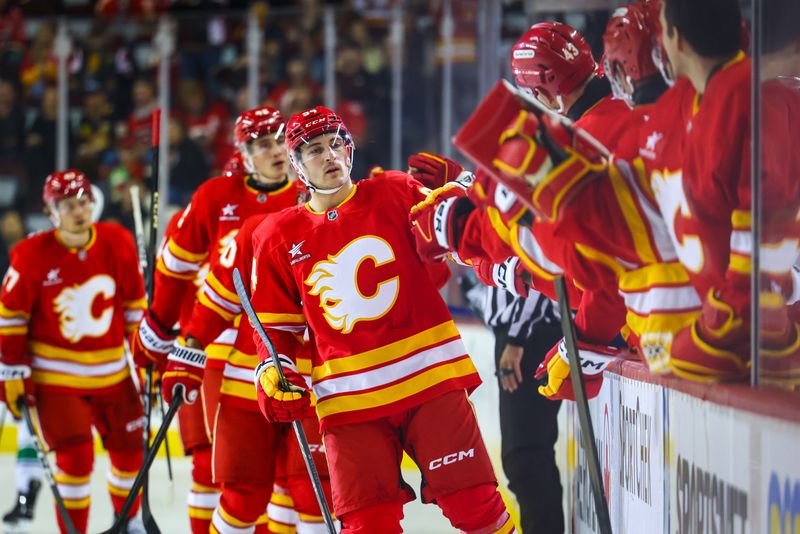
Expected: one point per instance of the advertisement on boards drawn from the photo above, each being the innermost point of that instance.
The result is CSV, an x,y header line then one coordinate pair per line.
x,y
709,454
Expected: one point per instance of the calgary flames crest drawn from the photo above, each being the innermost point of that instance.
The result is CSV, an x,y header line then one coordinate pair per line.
x,y
335,281
74,306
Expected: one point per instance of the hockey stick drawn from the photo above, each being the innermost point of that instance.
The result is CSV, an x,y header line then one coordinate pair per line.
x,y
587,431
141,476
298,427
166,443
147,516
46,468
138,227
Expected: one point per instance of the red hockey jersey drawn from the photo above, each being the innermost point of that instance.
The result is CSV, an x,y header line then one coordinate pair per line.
x,y
208,224
66,311
384,339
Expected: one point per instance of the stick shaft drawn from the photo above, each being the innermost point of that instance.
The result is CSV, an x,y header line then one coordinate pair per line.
x,y
582,403
47,469
298,427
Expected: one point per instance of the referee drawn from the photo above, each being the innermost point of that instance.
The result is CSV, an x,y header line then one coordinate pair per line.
x,y
525,329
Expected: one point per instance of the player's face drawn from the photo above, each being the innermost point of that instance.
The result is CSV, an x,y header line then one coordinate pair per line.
x,y
75,214
269,157
326,161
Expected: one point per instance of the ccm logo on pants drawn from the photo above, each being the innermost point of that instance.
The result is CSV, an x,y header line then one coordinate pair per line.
x,y
451,459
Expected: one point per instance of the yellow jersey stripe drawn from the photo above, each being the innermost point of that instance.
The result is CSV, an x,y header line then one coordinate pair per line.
x,y
396,392
641,239
223,291
51,378
386,353
88,357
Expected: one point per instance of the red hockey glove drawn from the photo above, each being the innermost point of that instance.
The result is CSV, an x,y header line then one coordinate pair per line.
x,y
185,366
594,359
508,275
438,221
433,170
151,343
16,384
276,404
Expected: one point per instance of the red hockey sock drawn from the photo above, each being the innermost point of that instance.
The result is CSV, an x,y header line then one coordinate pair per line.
x,y
204,495
477,510
240,506
74,469
124,468
384,518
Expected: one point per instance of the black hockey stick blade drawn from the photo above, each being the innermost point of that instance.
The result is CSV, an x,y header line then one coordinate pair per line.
x,y
298,427
46,468
582,403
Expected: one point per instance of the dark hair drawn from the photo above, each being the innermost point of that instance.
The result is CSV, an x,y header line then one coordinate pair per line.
x,y
780,24
713,28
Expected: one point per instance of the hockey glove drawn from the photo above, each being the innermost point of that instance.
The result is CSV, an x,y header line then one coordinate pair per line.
x,y
594,359
151,343
277,404
432,170
185,366
438,221
15,384
508,275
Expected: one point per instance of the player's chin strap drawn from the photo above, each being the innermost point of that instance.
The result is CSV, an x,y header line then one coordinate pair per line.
x,y
315,189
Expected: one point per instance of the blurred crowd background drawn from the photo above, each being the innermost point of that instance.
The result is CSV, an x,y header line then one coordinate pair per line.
x,y
111,60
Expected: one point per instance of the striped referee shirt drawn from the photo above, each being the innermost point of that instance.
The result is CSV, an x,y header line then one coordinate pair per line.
x,y
521,315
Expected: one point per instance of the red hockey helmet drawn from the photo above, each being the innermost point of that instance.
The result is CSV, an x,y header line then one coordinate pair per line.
x,y
306,125
628,43
234,166
552,58
62,184
257,122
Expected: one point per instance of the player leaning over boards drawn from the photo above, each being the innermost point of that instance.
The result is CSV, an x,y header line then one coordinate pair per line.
x,y
390,372
67,300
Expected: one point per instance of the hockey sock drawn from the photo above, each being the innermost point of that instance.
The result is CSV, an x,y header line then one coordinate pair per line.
x,y
27,468
280,511
74,468
477,510
240,506
384,518
309,516
121,474
204,495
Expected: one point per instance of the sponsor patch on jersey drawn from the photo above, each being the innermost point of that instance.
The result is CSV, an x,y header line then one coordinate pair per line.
x,y
228,212
53,278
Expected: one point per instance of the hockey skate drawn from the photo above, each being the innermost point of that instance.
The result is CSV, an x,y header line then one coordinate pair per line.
x,y
19,518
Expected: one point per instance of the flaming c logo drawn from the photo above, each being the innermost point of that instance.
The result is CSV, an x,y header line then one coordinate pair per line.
x,y
74,306
335,281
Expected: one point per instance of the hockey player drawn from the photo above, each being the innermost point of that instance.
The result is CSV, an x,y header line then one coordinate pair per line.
x,y
628,52
702,40
389,370
68,299
554,62
208,224
239,427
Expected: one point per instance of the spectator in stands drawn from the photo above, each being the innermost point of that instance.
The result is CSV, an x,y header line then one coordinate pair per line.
x,y
40,146
12,38
297,79
207,122
39,67
139,123
95,138
12,123
188,167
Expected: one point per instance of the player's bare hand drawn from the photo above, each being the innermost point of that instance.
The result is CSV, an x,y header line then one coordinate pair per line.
x,y
509,368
